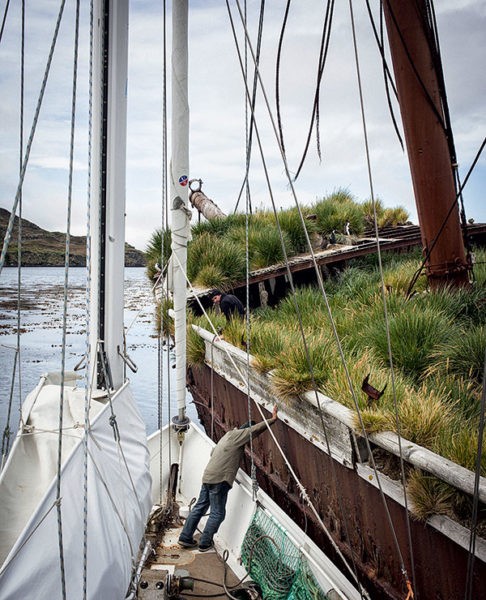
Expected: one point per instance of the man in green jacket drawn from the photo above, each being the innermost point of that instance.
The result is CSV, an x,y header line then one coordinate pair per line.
x,y
217,480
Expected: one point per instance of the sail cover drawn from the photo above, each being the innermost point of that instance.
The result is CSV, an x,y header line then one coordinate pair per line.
x,y
118,498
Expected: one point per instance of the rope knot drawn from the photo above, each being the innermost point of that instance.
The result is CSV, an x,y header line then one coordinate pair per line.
x,y
114,424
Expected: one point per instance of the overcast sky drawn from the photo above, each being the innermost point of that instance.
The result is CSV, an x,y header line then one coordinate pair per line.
x,y
217,143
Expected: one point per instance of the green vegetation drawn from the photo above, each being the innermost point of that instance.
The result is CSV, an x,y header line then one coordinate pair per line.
x,y
217,253
435,341
437,344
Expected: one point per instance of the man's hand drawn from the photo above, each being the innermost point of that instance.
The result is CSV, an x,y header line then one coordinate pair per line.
x,y
275,412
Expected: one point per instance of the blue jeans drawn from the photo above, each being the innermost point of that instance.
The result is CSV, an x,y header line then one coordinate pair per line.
x,y
213,496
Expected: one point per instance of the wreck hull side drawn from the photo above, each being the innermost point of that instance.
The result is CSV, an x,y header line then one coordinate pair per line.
x,y
440,564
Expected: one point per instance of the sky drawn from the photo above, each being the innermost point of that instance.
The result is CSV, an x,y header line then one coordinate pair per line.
x,y
217,109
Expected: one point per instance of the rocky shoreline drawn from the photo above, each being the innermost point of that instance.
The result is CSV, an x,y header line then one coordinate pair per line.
x,y
41,248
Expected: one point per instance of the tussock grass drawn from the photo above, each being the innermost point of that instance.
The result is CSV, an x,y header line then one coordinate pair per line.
x,y
216,255
393,217
334,210
460,444
153,251
463,393
268,344
369,211
163,321
429,495
222,253
463,355
266,247
292,376
414,335
423,416
195,349
291,225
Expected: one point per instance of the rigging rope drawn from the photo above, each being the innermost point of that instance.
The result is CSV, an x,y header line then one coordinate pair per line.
x,y
5,13
65,303
277,77
444,223
321,286
8,233
249,137
385,310
326,38
88,378
17,359
302,490
387,77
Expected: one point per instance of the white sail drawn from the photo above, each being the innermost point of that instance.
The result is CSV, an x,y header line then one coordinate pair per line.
x,y
118,499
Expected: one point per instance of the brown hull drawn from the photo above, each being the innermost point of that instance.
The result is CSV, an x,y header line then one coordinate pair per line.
x,y
362,534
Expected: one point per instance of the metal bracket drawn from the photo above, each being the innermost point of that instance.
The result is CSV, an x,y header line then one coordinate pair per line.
x,y
127,360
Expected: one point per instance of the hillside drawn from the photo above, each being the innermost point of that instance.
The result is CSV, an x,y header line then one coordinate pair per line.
x,y
41,248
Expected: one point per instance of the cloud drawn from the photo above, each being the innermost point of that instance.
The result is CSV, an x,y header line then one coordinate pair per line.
x,y
217,105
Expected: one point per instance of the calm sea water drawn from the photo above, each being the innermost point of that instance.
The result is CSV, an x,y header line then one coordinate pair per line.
x,y
41,337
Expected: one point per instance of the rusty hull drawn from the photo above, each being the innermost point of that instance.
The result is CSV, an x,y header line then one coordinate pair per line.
x,y
351,508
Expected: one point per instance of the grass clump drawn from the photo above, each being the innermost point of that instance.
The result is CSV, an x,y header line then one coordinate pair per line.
x,y
463,355
268,344
423,416
292,376
158,251
208,255
335,210
163,322
429,495
414,335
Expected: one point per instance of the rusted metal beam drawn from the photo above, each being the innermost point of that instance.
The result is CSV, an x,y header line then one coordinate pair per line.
x,y
421,105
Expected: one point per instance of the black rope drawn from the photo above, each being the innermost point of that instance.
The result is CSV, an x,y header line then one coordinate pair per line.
x,y
277,76
5,12
353,571
439,116
252,105
387,76
325,39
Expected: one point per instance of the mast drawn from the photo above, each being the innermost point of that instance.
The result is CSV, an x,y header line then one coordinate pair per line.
x,y
179,183
418,76
107,223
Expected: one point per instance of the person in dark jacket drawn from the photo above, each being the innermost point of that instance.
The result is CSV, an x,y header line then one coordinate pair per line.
x,y
230,305
217,480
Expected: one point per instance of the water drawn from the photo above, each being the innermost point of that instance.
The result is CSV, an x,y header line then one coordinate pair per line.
x,y
41,337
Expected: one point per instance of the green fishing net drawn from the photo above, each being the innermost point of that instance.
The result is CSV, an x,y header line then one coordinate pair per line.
x,y
276,564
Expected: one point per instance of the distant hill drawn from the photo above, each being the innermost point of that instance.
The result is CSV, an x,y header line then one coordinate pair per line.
x,y
41,248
